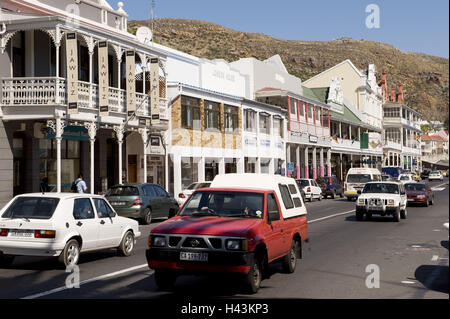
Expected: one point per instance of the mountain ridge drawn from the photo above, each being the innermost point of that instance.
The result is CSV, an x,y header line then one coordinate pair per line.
x,y
425,77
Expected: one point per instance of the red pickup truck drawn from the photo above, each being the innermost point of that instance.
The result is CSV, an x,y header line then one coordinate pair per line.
x,y
239,225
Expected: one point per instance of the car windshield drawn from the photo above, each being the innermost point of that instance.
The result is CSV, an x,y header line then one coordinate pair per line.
x,y
435,172
415,187
225,204
123,191
32,208
358,178
302,183
381,188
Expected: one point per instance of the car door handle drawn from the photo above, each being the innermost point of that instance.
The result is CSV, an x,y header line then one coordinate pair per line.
x,y
79,224
102,222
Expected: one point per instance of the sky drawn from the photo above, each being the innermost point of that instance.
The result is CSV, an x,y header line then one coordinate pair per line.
x,y
409,25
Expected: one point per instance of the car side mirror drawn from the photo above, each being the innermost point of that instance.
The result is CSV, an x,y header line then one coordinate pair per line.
x,y
172,213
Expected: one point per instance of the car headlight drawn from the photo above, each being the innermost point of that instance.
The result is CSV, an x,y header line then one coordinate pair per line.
x,y
361,201
236,244
158,241
391,202
420,196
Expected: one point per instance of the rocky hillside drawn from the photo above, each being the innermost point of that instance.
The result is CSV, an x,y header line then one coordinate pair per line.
x,y
425,77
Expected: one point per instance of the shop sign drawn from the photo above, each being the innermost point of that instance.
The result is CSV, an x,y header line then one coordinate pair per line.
x,y
265,143
72,72
103,78
71,133
290,166
131,82
154,90
313,139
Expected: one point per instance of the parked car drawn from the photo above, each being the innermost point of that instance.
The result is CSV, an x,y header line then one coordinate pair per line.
x,y
435,175
382,198
62,225
141,201
416,177
425,173
444,173
330,186
311,188
184,195
228,228
356,180
386,178
419,193
406,178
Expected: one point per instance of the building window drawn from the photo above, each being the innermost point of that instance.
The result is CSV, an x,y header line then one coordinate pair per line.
x,y
190,113
231,119
293,106
250,164
189,171
277,127
310,111
250,120
302,108
212,115
264,123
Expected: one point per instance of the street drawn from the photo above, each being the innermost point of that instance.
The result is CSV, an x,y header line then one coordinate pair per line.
x,y
412,257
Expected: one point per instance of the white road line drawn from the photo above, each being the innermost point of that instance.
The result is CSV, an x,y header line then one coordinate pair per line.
x,y
331,216
435,258
408,282
49,292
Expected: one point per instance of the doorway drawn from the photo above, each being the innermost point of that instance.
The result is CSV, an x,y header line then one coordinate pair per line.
x,y
132,168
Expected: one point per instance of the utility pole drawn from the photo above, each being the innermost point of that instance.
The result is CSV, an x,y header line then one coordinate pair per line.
x,y
152,14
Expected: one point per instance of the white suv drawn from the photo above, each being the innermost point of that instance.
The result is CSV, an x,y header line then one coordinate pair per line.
x,y
382,198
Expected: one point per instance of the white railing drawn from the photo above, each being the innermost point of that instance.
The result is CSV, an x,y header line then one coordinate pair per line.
x,y
32,91
393,145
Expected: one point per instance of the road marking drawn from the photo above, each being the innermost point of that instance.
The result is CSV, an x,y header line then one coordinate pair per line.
x,y
408,282
49,292
435,258
331,216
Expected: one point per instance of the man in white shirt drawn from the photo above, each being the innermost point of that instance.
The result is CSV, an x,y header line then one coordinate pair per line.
x,y
81,184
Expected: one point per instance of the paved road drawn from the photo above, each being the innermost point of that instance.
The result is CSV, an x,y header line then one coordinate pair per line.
x,y
412,257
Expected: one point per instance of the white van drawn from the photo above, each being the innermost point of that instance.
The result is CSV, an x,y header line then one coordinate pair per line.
x,y
356,180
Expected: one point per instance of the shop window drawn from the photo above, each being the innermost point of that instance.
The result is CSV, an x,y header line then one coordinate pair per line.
x,y
250,120
189,171
190,113
212,115
230,166
211,169
231,119
264,124
250,164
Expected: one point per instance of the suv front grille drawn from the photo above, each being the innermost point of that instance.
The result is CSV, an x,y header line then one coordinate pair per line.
x,y
216,242
174,240
193,242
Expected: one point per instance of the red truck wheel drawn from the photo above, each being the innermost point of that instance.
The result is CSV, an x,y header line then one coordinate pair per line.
x,y
290,260
254,276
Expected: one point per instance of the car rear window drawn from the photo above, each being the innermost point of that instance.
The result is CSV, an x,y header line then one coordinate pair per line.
x,y
358,178
303,183
32,208
286,196
123,191
415,187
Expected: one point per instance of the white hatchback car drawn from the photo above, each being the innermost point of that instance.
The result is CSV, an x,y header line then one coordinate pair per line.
x,y
62,225
311,188
185,193
406,178
436,175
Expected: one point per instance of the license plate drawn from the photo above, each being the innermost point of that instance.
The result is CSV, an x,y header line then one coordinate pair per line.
x,y
410,199
193,256
118,203
376,208
21,233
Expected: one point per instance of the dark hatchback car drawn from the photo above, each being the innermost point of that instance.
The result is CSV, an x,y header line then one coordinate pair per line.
x,y
142,201
419,193
425,174
330,187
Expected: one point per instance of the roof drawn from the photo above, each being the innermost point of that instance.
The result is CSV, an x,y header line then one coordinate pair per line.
x,y
319,94
438,138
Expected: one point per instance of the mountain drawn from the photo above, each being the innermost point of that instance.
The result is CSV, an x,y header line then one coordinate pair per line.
x,y
425,78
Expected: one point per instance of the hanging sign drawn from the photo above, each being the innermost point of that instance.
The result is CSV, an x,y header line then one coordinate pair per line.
x,y
131,82
72,72
103,78
154,90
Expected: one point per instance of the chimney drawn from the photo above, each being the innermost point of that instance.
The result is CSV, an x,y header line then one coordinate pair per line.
x,y
400,98
393,97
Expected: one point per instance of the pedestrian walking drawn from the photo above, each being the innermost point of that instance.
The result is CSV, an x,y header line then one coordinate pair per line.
x,y
79,185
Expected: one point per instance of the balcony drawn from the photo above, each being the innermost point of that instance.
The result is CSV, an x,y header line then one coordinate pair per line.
x,y
393,145
300,132
38,91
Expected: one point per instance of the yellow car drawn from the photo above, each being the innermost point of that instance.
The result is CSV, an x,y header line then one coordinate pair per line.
x,y
444,173
416,177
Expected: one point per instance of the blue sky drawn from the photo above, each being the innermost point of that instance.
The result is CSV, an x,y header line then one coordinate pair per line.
x,y
411,26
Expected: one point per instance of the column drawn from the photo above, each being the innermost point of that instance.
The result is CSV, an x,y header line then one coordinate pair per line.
x,y
258,165
201,169
57,98
314,163
306,162
58,127
91,78
297,159
271,167
322,168
240,165
342,172
144,135
288,159
92,130
340,130
329,162
222,166
176,174
351,161
119,135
